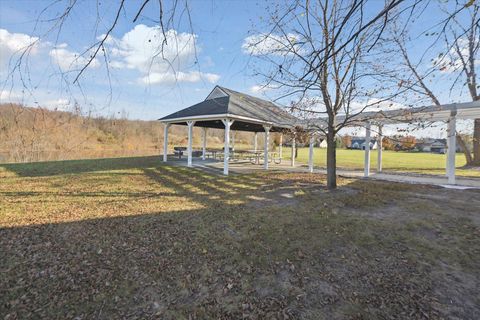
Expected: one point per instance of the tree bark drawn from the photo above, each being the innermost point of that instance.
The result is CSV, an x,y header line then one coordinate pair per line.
x,y
476,142
331,160
465,149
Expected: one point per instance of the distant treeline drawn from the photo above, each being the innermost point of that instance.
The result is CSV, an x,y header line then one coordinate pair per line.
x,y
38,134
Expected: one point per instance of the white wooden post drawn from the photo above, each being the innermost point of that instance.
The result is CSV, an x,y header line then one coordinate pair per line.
x,y
189,149
204,147
265,147
292,162
280,151
379,149
255,145
310,153
451,149
366,172
226,146
165,141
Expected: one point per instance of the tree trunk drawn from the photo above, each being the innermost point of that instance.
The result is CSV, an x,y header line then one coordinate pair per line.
x,y
331,161
465,149
476,142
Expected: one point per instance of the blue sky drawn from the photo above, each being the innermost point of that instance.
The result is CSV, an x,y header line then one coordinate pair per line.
x,y
219,37
142,90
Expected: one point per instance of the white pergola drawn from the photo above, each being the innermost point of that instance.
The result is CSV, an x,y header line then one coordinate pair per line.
x,y
449,113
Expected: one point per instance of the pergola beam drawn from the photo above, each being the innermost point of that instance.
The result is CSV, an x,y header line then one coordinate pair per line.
x,y
451,149
165,141
226,148
366,171
190,139
265,147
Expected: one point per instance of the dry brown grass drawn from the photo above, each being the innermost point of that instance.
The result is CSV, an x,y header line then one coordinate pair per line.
x,y
129,238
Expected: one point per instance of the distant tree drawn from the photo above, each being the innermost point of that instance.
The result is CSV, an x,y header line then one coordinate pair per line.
x,y
346,140
388,143
408,142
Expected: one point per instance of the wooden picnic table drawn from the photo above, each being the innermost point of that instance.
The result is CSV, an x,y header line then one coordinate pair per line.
x,y
255,155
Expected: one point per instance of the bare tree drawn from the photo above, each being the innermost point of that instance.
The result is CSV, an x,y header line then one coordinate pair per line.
x,y
49,27
458,57
318,53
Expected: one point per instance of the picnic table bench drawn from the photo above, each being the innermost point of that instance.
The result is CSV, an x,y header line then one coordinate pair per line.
x,y
254,156
178,151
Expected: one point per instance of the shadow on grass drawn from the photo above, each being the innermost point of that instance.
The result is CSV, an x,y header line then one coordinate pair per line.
x,y
171,264
231,257
51,168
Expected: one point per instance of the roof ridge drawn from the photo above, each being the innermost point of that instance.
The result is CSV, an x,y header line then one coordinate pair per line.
x,y
244,94
280,106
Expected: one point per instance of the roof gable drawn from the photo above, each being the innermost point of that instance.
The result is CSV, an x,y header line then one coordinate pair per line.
x,y
217,92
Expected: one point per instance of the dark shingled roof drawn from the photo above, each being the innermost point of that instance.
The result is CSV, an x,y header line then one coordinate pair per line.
x,y
237,104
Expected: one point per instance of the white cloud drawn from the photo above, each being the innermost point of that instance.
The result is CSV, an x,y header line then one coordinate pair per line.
x,y
70,60
451,61
261,88
375,105
11,43
59,104
143,49
10,96
171,77
265,44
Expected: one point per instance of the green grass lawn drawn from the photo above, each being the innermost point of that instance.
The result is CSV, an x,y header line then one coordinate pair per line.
x,y
131,238
417,162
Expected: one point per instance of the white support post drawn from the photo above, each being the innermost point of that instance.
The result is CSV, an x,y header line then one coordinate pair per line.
x,y
280,147
379,149
226,146
265,147
451,149
292,162
189,149
310,153
204,141
165,141
366,172
255,144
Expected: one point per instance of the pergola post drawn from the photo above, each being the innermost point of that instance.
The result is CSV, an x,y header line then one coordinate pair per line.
x,y
366,172
226,147
292,162
379,149
204,142
451,149
189,149
310,152
165,141
255,145
265,147
280,147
